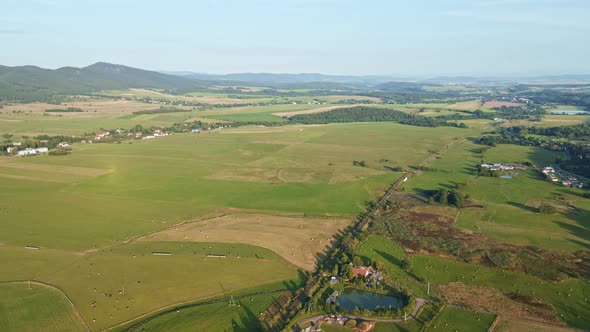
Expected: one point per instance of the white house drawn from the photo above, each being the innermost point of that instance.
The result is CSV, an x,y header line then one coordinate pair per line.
x,y
27,152
64,144
42,150
10,149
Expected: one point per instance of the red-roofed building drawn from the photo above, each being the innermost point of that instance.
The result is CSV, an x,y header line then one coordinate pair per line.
x,y
360,272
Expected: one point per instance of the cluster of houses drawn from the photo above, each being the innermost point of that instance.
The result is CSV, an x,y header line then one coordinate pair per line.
x,y
566,180
551,146
102,135
337,320
502,168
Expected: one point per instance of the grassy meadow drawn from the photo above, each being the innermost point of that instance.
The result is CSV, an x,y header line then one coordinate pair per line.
x,y
84,209
34,307
454,319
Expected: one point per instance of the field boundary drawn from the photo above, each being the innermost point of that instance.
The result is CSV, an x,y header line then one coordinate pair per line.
x,y
50,286
183,305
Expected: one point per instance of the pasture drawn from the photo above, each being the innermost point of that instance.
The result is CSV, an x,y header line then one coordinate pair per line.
x,y
116,284
211,317
510,211
34,308
454,319
85,210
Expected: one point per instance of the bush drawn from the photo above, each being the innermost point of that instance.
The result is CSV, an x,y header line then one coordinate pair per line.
x,y
547,209
350,323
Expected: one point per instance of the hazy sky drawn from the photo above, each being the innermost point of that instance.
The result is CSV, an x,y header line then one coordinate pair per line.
x,y
418,37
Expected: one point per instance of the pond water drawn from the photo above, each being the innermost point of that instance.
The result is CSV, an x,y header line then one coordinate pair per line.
x,y
569,112
352,297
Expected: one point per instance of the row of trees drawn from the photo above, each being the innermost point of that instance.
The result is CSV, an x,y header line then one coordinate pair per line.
x,y
446,197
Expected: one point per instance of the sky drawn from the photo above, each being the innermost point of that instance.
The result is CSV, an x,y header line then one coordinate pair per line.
x,y
353,37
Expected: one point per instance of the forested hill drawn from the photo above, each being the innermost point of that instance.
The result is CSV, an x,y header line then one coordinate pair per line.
x,y
30,83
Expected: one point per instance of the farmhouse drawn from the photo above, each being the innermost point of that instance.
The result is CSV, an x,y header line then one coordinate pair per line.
x,y
360,272
10,149
63,144
16,143
548,170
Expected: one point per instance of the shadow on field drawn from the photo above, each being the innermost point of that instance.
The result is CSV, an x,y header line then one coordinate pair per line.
x,y
396,261
522,206
248,321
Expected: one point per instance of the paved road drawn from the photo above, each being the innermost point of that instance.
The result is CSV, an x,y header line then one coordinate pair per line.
x,y
419,304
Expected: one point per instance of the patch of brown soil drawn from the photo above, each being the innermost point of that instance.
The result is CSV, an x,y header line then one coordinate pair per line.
x,y
492,300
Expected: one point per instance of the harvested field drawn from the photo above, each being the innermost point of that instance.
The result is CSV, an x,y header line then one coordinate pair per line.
x,y
466,105
492,104
310,111
91,107
297,239
37,167
492,300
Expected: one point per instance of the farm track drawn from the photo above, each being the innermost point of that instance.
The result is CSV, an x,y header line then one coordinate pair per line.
x,y
43,284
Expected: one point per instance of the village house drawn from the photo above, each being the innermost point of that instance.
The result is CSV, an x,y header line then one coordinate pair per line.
x,y
32,151
16,143
548,170
10,149
63,144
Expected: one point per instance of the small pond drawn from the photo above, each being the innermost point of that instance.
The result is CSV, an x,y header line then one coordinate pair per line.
x,y
569,112
352,297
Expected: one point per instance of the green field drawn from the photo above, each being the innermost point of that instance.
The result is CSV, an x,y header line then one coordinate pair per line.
x,y
453,319
213,317
34,307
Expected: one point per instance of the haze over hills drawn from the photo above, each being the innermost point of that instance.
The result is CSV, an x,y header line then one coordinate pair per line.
x,y
29,83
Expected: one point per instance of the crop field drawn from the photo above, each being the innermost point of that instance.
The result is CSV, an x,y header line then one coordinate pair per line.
x,y
256,113
34,307
456,319
299,171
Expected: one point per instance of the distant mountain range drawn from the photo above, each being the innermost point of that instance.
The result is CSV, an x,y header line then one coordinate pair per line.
x,y
28,83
